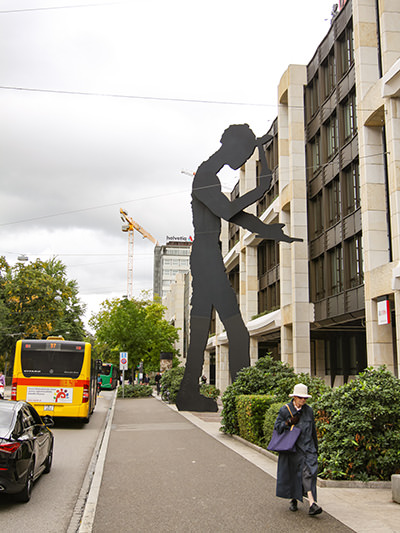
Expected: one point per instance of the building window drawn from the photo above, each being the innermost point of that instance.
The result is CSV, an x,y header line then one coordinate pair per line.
x,y
332,136
329,70
269,298
333,201
318,279
351,178
315,153
350,117
346,50
316,222
314,99
267,257
335,266
354,261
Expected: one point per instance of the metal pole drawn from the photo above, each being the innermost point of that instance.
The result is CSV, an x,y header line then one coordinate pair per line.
x,y
123,383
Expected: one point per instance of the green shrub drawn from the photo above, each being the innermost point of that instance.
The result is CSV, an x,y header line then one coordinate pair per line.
x,y
269,422
135,391
250,410
266,377
171,382
210,391
359,428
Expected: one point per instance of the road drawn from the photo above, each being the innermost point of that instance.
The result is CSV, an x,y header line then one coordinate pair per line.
x,y
55,495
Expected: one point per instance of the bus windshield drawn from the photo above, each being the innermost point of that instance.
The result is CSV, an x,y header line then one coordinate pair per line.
x,y
105,369
40,361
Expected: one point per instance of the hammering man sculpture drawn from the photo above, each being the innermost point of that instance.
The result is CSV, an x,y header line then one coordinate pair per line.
x,y
210,284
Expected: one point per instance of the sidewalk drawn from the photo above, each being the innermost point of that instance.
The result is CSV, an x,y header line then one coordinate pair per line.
x,y
364,510
175,471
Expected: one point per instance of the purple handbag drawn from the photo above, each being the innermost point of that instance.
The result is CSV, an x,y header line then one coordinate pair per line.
x,y
285,441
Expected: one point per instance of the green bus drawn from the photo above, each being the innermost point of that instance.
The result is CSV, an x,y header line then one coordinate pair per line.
x,y
109,375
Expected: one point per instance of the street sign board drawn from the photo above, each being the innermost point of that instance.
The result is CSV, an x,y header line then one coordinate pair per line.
x,y
123,360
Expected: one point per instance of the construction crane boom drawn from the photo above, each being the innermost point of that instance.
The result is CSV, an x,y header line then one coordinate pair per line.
x,y
129,226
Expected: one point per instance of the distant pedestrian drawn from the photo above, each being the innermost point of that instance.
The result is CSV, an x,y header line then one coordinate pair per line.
x,y
146,380
203,379
99,383
158,383
297,472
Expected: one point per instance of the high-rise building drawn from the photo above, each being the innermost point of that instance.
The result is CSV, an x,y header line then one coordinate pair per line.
x,y
169,260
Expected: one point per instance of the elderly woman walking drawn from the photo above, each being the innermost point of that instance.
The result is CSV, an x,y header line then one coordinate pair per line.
x,y
297,472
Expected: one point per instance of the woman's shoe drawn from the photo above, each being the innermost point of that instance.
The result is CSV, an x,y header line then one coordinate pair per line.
x,y
293,505
315,509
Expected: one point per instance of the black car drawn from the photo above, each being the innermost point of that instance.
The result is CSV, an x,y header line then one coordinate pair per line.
x,y
26,448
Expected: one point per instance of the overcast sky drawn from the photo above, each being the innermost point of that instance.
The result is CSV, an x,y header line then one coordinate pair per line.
x,y
154,83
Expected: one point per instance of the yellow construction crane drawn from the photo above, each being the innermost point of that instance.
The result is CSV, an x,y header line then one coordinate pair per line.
x,y
129,226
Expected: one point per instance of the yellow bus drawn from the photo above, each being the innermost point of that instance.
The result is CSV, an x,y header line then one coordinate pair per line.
x,y
57,377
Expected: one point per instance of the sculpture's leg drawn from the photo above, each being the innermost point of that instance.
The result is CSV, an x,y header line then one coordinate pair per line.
x,y
239,344
189,397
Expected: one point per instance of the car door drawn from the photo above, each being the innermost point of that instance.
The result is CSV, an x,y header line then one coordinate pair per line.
x,y
41,437
28,423
23,457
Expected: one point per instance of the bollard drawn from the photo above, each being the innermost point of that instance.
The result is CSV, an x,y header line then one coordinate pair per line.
x,y
396,488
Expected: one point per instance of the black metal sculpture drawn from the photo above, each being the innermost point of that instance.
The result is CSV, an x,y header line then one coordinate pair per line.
x,y
211,287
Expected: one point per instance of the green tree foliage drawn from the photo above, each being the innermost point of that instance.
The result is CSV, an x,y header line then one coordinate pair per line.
x,y
37,300
359,428
136,327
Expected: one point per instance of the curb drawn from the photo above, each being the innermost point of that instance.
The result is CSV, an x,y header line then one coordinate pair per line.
x,y
85,507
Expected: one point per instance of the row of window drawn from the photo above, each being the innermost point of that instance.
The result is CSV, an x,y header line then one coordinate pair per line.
x,y
176,262
336,65
337,269
338,199
340,127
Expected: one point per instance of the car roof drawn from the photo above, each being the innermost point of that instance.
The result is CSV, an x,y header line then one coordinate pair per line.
x,y
10,405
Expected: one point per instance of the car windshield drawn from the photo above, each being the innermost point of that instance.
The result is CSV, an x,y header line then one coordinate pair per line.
x,y
6,418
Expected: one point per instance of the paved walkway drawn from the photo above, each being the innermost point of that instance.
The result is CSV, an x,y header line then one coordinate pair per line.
x,y
175,472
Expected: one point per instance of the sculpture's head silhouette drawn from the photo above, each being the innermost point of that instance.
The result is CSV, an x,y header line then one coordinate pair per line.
x,y
238,143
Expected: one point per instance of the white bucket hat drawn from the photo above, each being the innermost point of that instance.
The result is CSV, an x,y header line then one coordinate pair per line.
x,y
301,391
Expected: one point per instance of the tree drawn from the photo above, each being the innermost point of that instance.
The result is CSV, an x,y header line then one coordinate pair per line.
x,y
136,327
37,300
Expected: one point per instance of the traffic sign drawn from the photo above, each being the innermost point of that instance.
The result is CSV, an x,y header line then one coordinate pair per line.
x,y
123,360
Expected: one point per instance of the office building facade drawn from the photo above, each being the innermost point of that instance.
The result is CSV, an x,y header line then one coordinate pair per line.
x,y
329,305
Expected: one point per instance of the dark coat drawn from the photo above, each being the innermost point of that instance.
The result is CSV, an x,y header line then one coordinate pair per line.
x,y
290,465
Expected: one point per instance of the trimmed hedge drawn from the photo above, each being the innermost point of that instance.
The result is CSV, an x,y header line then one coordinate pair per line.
x,y
135,391
250,410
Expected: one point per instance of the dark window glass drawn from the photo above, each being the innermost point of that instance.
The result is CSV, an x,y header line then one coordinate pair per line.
x,y
317,223
349,117
52,364
318,278
351,179
335,270
329,70
332,136
355,263
105,370
334,201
